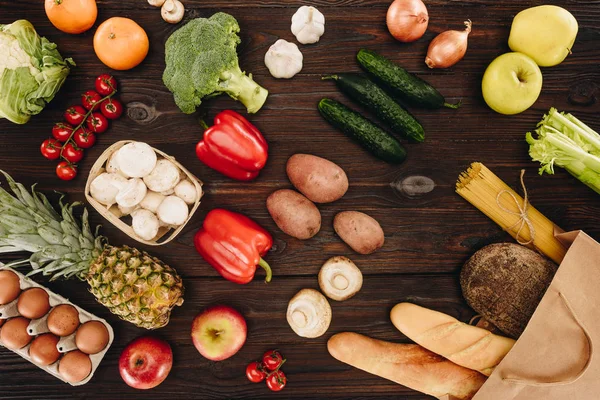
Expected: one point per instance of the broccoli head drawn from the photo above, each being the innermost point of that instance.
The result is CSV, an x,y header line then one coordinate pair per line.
x,y
201,61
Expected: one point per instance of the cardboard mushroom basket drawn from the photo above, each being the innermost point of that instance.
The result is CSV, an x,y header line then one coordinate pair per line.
x,y
142,191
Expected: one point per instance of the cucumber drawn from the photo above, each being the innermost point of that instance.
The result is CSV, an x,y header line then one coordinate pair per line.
x,y
408,87
380,143
365,92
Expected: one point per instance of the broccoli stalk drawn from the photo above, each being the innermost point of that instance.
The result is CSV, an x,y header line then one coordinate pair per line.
x,y
202,62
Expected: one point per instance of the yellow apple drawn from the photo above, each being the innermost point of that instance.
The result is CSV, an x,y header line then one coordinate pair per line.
x,y
544,33
511,83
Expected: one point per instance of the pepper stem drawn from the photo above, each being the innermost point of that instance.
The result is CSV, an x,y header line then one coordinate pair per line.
x,y
267,269
324,78
203,124
454,106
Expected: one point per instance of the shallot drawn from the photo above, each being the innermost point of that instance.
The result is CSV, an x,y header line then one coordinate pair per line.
x,y
448,48
407,20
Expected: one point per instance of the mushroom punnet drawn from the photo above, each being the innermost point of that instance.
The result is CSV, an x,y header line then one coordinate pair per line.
x,y
340,278
284,59
308,25
309,313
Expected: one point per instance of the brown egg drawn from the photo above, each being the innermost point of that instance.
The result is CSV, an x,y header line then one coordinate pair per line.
x,y
43,349
91,337
33,303
75,366
63,320
9,286
14,333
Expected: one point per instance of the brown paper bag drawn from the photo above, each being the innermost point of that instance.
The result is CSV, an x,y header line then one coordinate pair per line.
x,y
556,356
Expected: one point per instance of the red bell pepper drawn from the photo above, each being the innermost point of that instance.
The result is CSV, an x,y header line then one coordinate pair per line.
x,y
233,244
233,146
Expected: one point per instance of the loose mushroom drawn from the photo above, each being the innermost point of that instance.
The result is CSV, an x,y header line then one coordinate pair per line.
x,y
186,191
156,3
145,224
132,193
172,11
309,313
136,159
340,278
308,25
151,201
163,177
283,59
105,187
172,211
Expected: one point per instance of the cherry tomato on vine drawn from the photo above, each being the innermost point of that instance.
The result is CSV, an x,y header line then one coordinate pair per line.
x,y
97,123
84,138
255,372
51,149
71,153
276,381
62,132
66,171
106,84
75,115
111,108
91,99
272,360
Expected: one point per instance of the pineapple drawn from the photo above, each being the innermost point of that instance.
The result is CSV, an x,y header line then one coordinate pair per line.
x,y
135,286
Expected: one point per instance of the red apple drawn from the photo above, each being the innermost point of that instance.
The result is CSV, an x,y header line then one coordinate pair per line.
x,y
146,362
219,332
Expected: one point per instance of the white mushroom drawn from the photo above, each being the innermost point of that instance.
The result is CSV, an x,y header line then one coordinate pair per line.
x,y
340,278
172,211
132,193
151,201
105,187
172,11
112,166
283,59
186,190
124,211
163,177
308,25
168,192
309,313
136,159
156,3
145,224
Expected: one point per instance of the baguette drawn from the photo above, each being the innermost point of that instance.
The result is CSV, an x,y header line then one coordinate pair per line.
x,y
465,345
409,365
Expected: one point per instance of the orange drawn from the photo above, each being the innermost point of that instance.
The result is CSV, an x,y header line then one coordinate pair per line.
x,y
71,16
121,43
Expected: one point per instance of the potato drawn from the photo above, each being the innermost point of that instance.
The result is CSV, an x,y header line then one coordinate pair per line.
x,y
360,231
320,180
294,214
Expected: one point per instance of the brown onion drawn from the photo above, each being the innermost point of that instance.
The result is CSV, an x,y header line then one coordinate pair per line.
x,y
407,20
448,48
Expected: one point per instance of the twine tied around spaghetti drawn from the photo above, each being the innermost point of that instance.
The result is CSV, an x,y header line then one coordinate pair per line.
x,y
522,213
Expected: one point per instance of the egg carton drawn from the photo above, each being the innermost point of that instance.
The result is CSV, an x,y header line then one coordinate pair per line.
x,y
39,326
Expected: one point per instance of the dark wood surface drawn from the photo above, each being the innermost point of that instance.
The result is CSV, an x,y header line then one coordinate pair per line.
x,y
427,238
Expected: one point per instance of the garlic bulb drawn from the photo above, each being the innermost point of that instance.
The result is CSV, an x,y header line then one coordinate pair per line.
x,y
309,313
283,59
340,278
308,25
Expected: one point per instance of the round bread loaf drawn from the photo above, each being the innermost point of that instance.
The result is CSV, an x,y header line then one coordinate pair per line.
x,y
505,282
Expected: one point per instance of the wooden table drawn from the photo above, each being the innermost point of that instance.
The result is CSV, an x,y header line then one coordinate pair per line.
x,y
428,237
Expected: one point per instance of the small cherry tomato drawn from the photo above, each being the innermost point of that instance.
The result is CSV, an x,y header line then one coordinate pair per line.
x,y
75,115
106,84
97,123
51,149
62,132
111,108
272,360
84,138
91,99
66,171
276,381
255,372
72,153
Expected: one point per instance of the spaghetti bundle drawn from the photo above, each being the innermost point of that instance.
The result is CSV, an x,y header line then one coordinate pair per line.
x,y
482,188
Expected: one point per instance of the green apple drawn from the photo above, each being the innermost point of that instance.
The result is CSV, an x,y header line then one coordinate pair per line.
x,y
544,33
511,83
